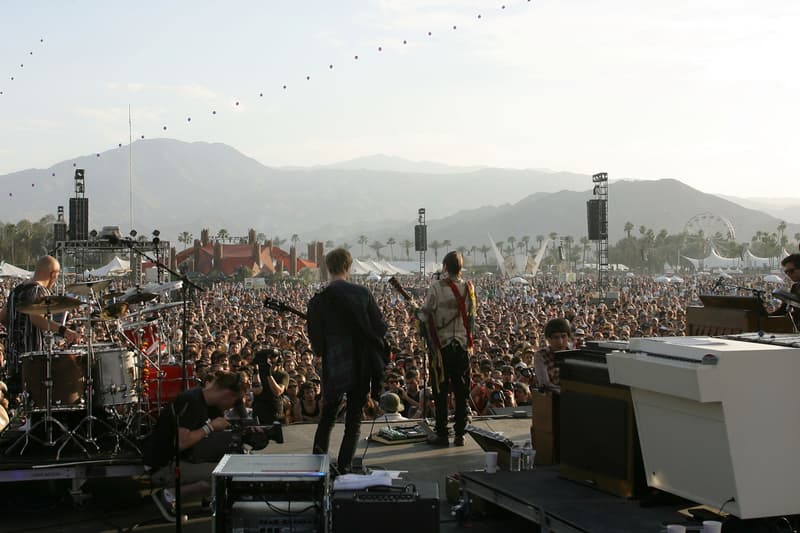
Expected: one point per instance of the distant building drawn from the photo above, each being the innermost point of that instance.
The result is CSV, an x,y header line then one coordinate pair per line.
x,y
228,258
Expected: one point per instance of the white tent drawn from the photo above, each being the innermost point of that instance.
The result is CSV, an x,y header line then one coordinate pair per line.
x,y
713,261
519,281
772,278
7,270
115,267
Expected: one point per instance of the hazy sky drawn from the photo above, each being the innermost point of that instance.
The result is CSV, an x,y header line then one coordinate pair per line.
x,y
703,91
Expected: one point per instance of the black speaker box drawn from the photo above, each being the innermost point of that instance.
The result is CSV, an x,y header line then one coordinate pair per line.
x,y
404,507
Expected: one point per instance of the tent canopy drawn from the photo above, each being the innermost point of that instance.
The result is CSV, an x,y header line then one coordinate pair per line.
x,y
115,267
7,270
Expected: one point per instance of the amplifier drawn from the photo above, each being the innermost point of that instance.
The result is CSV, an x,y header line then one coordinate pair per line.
x,y
401,508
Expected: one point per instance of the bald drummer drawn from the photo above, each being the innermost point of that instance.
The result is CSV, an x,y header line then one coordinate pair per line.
x,y
26,331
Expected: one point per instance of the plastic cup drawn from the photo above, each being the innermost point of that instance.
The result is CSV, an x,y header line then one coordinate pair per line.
x,y
712,526
491,462
676,528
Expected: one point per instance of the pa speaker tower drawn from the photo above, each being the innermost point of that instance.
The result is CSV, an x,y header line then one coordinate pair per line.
x,y
595,216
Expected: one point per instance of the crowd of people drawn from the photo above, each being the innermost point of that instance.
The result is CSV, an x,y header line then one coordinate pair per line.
x,y
229,328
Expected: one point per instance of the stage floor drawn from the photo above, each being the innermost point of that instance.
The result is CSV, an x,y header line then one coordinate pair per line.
x,y
123,503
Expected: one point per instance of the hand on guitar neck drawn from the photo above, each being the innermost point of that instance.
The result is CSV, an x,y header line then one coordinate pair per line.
x,y
281,307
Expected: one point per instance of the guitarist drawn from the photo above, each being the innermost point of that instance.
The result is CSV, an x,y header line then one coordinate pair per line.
x,y
346,330
449,312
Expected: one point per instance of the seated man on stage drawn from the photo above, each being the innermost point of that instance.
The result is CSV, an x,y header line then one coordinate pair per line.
x,y
791,267
200,413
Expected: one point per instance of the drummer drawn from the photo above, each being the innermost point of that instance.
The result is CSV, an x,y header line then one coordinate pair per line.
x,y
26,331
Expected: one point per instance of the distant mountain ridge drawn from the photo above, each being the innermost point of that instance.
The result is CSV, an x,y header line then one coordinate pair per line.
x,y
179,186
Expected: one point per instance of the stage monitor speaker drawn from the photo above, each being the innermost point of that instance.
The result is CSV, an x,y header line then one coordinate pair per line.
x,y
401,508
420,238
79,219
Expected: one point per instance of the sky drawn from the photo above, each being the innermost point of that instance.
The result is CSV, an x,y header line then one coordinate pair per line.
x,y
704,91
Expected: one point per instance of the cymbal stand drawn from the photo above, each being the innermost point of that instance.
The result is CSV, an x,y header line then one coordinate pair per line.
x,y
49,420
90,418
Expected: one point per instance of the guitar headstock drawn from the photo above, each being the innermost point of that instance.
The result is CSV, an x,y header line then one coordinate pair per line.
x,y
399,288
275,305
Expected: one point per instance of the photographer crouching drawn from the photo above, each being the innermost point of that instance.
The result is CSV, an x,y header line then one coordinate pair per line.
x,y
200,413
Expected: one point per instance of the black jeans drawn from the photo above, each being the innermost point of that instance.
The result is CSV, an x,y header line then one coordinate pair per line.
x,y
352,428
456,372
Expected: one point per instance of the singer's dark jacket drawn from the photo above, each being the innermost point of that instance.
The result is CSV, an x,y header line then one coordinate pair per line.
x,y
346,329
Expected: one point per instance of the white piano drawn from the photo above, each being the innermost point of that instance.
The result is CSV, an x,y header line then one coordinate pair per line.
x,y
718,420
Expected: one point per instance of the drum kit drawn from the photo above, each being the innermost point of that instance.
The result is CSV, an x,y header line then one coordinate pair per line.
x,y
118,386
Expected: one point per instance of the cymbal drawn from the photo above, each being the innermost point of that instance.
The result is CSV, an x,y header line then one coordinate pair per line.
x,y
114,311
156,308
113,294
50,304
85,288
139,297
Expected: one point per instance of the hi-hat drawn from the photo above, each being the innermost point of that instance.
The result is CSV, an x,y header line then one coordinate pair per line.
x,y
139,297
85,288
50,304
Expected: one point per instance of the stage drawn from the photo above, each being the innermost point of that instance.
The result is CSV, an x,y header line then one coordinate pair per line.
x,y
117,497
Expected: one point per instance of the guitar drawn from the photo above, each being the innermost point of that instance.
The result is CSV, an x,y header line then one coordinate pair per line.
x,y
399,288
282,307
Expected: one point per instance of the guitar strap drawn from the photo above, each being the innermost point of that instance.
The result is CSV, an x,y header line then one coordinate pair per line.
x,y
462,308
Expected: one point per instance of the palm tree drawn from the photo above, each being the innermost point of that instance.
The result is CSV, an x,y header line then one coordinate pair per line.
x,y
462,250
295,238
362,240
628,228
781,228
553,236
484,249
511,240
447,244
526,240
472,250
390,242
328,244
377,246
277,241
539,241
222,234
407,244
435,245
186,238
585,243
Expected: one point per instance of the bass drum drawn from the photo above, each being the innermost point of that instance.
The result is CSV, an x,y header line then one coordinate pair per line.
x,y
171,382
68,370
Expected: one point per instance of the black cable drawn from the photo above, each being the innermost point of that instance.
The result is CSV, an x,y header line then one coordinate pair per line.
x,y
726,502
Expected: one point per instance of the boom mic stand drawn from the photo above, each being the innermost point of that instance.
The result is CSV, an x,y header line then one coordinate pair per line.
x,y
184,375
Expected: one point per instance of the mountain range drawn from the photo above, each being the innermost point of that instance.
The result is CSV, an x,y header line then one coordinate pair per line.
x,y
176,186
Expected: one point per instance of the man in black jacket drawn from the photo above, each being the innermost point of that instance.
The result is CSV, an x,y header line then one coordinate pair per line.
x,y
346,330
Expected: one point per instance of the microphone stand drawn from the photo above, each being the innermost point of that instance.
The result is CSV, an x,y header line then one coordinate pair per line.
x,y
184,375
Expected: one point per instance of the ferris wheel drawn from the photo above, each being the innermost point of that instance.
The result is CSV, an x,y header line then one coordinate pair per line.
x,y
713,227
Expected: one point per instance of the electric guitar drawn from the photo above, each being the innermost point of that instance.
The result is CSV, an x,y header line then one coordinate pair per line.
x,y
282,307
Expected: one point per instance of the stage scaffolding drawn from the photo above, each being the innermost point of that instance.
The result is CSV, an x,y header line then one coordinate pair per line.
x,y
76,257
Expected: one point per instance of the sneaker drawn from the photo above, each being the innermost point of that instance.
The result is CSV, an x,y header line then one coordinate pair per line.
x,y
458,440
166,507
438,441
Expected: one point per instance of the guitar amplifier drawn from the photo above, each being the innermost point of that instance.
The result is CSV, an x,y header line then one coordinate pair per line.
x,y
403,507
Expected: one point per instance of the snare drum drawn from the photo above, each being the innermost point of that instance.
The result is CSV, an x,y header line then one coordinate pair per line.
x,y
171,382
68,370
115,375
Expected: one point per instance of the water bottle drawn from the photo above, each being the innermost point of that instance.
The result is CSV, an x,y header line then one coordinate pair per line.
x,y
516,457
527,456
